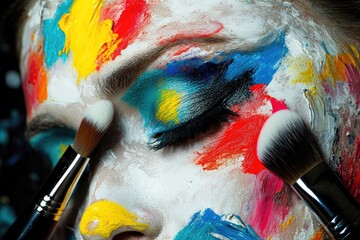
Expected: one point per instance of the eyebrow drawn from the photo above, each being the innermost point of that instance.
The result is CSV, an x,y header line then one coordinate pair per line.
x,y
41,123
129,71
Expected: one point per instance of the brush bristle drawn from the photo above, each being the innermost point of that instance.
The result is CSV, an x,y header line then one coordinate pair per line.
x,y
94,125
287,146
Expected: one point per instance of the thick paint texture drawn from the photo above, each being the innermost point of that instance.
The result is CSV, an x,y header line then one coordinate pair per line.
x,y
336,68
271,203
339,70
187,88
103,217
54,37
239,139
36,81
92,33
129,24
264,60
207,225
52,143
85,35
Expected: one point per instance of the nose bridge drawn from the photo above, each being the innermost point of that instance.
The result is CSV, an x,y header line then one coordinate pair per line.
x,y
128,212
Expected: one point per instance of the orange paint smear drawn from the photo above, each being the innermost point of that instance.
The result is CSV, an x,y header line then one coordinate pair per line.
x,y
335,68
35,84
240,137
319,235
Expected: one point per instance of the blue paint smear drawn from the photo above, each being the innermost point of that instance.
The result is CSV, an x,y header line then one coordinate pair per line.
x,y
149,86
203,223
49,143
54,37
265,60
191,76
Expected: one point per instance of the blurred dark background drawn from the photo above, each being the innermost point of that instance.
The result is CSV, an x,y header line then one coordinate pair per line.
x,y
21,168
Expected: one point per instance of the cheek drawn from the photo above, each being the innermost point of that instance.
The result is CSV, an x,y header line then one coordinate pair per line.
x,y
239,139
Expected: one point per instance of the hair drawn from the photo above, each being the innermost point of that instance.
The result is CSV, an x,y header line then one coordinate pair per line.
x,y
342,15
11,22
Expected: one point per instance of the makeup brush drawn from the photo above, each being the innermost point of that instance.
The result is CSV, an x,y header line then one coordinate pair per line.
x,y
38,221
288,148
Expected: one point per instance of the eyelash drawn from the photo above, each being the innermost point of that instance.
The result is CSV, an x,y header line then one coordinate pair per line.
x,y
199,125
213,118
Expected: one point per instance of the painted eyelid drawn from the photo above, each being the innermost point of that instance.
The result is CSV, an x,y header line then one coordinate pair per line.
x,y
217,114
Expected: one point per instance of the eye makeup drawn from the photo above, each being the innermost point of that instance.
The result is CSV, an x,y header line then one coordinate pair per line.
x,y
188,97
217,111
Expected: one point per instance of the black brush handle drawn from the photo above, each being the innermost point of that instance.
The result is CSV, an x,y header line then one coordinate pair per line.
x,y
39,219
331,202
31,225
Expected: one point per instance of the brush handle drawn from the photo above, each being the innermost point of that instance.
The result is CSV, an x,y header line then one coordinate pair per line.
x,y
331,202
38,221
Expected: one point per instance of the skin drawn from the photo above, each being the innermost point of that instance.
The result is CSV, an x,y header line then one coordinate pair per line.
x,y
142,193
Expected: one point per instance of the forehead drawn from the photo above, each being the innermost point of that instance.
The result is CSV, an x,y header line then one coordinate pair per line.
x,y
69,46
117,24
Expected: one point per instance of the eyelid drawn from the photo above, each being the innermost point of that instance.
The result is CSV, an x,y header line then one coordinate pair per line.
x,y
216,115
130,70
42,123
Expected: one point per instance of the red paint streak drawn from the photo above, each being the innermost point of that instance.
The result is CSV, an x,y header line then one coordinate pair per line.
x,y
271,198
197,32
277,104
35,84
183,49
271,204
353,78
240,137
350,170
128,25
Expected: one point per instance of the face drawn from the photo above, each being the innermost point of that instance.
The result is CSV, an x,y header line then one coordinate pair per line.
x,y
192,83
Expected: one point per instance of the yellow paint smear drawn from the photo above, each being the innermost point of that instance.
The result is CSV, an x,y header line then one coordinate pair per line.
x,y
103,217
304,70
168,108
63,148
334,69
86,37
355,51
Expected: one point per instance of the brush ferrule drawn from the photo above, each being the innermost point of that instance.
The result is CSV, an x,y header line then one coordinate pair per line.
x,y
59,185
331,202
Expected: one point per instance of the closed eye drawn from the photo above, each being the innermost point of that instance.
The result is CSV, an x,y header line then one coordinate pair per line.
x,y
222,95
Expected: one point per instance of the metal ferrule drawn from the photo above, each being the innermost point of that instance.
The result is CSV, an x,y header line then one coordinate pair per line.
x,y
331,202
59,185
